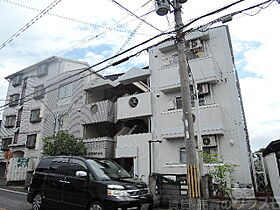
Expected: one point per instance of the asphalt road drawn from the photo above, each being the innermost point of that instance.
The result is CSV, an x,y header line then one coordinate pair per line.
x,y
10,200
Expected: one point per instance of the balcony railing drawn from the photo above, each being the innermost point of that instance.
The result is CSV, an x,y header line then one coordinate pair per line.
x,y
208,121
102,147
102,111
132,106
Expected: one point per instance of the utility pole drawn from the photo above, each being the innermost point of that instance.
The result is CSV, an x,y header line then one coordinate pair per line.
x,y
193,177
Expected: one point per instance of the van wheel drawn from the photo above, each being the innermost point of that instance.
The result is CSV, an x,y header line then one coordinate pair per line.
x,y
37,202
96,206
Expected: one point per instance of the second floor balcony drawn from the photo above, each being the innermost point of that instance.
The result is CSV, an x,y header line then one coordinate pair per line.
x,y
102,111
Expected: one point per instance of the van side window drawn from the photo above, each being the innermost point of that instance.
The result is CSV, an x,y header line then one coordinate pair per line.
x,y
60,166
77,165
44,165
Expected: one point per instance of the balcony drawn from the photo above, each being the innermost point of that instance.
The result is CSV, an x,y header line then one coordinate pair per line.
x,y
203,70
102,147
138,105
100,83
208,121
102,111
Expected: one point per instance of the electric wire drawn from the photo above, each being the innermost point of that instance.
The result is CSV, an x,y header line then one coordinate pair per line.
x,y
92,37
130,37
26,98
211,13
117,3
72,19
142,43
31,22
97,64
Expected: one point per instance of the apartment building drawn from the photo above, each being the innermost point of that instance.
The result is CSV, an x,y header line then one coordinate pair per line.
x,y
216,100
136,117
217,109
27,104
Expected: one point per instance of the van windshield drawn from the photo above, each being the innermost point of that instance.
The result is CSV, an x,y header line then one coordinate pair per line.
x,y
107,169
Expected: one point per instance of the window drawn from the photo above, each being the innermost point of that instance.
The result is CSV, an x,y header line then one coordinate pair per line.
x,y
183,155
179,102
60,166
10,121
39,92
17,80
35,116
31,141
42,70
14,100
5,144
76,165
44,165
16,137
65,91
19,117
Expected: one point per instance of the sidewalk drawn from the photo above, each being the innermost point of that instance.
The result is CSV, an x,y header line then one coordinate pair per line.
x,y
18,188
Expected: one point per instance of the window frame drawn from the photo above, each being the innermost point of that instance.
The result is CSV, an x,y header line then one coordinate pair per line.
x,y
6,148
17,80
39,92
28,145
12,101
32,113
8,119
67,91
42,70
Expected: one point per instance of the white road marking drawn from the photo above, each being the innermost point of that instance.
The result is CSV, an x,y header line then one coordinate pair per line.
x,y
13,191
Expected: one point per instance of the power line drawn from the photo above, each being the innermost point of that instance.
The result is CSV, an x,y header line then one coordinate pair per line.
x,y
72,19
100,34
212,12
127,58
97,64
91,73
31,22
136,15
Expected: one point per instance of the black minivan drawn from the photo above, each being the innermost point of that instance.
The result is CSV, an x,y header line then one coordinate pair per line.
x,y
79,183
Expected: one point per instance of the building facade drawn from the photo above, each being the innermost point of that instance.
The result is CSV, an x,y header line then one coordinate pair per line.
x,y
136,117
25,116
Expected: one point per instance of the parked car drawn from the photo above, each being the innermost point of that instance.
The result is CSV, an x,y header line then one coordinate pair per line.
x,y
80,183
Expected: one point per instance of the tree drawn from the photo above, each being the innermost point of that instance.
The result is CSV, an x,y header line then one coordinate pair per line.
x,y
63,143
221,173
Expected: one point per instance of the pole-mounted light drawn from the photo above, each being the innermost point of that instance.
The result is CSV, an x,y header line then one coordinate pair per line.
x,y
162,7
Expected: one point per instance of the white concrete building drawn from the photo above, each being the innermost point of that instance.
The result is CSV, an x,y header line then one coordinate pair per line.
x,y
217,105
219,118
118,115
24,117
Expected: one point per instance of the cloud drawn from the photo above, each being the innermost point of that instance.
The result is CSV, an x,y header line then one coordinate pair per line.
x,y
255,41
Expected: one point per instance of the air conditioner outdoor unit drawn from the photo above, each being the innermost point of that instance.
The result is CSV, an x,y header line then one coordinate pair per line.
x,y
203,89
209,141
195,44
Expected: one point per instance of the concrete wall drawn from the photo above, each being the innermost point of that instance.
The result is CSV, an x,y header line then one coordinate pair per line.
x,y
143,108
272,170
215,66
136,146
58,68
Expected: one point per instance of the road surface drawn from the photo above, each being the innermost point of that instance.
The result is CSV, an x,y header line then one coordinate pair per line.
x,y
12,200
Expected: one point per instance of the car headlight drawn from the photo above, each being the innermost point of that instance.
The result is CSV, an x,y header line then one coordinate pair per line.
x,y
117,191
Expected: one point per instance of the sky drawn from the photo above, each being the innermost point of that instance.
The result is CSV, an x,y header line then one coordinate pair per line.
x,y
95,30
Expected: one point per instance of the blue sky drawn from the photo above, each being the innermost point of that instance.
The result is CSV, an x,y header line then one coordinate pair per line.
x,y
72,22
